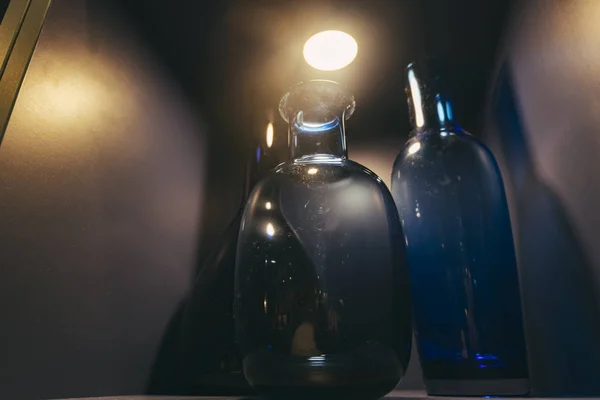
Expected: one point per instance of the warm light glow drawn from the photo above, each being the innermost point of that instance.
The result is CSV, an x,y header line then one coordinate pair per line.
x,y
414,148
74,95
416,98
330,50
270,229
269,134
312,171
268,205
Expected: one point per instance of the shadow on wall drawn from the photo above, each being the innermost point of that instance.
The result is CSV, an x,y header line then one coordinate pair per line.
x,y
562,321
163,379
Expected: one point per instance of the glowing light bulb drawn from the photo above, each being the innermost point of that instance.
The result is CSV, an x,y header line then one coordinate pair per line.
x,y
312,171
268,205
269,134
330,50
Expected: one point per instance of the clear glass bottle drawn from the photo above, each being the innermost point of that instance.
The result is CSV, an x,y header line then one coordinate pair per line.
x,y
322,295
464,279
209,361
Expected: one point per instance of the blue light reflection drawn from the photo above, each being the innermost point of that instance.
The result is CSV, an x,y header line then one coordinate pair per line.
x,y
309,127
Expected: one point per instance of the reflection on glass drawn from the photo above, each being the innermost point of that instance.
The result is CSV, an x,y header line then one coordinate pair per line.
x,y
415,92
331,269
449,111
270,229
441,111
269,138
414,148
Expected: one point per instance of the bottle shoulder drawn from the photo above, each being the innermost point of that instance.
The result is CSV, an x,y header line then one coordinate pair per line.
x,y
441,146
327,196
331,168
331,177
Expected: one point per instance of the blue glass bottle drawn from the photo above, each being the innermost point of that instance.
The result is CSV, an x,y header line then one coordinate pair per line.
x,y
459,244
322,307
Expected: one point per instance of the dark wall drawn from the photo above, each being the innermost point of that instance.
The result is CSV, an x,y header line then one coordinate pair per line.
x,y
544,126
101,191
111,185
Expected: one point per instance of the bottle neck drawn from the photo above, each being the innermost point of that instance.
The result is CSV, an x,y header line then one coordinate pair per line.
x,y
429,104
317,133
316,112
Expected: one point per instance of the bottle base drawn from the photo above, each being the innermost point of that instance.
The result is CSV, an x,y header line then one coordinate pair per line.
x,y
492,387
366,373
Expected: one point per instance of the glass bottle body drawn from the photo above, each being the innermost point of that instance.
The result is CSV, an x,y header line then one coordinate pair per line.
x,y
459,244
319,265
322,299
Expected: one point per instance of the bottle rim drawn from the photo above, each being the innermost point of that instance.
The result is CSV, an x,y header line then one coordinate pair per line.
x,y
318,94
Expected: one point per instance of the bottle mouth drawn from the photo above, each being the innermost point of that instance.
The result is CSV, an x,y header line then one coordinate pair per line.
x,y
428,67
323,98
